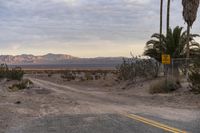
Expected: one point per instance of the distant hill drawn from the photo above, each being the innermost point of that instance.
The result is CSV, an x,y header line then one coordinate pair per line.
x,y
31,59
60,59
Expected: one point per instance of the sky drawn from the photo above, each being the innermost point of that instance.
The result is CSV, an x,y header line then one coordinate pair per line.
x,y
82,28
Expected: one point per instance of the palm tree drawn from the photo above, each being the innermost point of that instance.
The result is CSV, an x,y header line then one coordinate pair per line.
x,y
190,8
168,14
173,44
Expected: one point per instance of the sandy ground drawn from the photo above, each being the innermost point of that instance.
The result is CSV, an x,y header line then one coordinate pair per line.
x,y
54,96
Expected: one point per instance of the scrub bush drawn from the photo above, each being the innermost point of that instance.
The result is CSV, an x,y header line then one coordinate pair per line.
x,y
194,77
164,86
135,67
14,74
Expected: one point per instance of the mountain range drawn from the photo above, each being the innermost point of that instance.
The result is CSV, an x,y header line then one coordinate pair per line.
x,y
31,59
52,59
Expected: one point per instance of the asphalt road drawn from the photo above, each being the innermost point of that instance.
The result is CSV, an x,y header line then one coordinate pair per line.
x,y
105,123
116,122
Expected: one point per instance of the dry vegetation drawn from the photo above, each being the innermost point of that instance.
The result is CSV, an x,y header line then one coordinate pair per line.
x,y
21,85
164,86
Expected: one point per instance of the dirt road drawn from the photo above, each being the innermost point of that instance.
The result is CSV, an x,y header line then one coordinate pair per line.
x,y
60,108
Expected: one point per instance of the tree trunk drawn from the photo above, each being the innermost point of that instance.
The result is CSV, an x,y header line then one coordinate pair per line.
x,y
167,29
168,15
176,73
188,42
161,17
161,26
188,50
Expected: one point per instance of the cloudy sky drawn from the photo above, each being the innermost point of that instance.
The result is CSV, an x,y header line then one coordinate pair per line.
x,y
84,28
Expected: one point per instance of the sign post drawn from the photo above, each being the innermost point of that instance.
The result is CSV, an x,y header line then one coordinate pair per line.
x,y
166,60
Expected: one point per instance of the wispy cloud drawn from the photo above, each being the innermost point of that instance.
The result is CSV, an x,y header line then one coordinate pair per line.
x,y
73,22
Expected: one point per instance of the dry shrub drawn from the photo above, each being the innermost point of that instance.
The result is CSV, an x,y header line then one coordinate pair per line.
x,y
194,77
89,76
14,74
133,68
68,75
24,84
164,86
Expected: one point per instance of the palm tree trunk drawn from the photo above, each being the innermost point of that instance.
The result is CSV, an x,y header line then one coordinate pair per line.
x,y
167,28
188,50
161,20
161,17
188,42
168,14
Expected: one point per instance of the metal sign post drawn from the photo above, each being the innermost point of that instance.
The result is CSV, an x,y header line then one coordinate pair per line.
x,y
166,60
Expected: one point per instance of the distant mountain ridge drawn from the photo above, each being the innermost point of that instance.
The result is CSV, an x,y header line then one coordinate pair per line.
x,y
26,59
31,59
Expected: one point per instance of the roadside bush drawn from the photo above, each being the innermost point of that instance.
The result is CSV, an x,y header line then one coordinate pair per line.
x,y
135,67
97,76
14,74
3,71
49,75
24,84
88,76
164,86
68,75
194,77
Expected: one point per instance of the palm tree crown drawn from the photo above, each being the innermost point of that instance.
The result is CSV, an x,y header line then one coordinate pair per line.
x,y
190,8
173,44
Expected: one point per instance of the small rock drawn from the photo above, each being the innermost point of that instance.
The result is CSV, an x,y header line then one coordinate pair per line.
x,y
18,102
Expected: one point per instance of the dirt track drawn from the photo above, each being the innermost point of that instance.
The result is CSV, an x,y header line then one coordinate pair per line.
x,y
52,99
104,102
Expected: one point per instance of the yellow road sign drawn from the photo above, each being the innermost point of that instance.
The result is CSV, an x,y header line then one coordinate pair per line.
x,y
166,59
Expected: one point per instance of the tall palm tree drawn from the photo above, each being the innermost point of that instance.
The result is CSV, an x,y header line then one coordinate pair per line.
x,y
190,8
173,44
168,14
